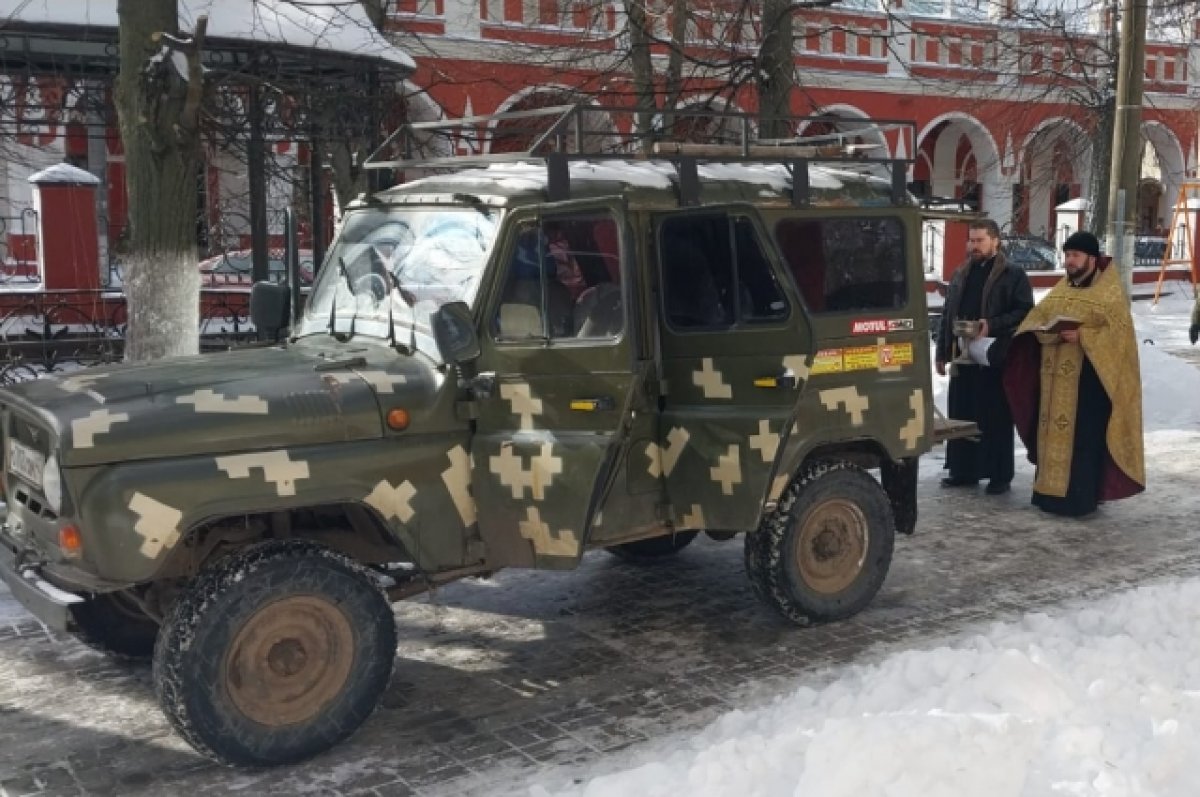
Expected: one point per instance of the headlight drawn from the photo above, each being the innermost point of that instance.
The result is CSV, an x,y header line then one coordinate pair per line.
x,y
52,486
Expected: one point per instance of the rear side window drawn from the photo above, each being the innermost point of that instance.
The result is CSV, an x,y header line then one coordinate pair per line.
x,y
716,274
846,264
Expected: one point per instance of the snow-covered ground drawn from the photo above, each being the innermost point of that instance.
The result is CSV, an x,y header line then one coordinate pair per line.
x,y
1100,698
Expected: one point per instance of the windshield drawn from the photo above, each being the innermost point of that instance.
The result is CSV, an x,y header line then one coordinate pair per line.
x,y
390,269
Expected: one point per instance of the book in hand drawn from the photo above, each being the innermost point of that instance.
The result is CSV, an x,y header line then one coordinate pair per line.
x,y
1059,324
978,350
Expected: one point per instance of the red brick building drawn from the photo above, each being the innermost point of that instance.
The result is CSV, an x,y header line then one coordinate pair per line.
x,y
993,99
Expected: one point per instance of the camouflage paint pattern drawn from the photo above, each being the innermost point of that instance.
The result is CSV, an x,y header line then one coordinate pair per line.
x,y
519,477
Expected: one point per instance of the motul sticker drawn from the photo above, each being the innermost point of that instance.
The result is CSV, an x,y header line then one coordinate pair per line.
x,y
879,326
869,326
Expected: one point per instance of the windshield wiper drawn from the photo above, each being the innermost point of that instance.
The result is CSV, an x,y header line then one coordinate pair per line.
x,y
344,273
392,321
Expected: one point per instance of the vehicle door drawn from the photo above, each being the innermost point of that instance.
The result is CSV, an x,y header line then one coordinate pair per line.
x,y
555,382
735,347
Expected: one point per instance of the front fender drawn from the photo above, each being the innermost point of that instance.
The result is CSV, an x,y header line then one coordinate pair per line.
x,y
132,515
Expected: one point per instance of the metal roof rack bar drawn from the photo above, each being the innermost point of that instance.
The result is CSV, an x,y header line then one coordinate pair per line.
x,y
567,138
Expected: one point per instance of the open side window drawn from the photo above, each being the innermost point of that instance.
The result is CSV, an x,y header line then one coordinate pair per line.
x,y
563,281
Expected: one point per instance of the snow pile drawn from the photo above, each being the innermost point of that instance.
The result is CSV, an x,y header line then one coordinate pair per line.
x,y
338,26
1101,701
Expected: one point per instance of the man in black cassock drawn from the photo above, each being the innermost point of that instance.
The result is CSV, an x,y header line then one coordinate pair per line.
x,y
997,294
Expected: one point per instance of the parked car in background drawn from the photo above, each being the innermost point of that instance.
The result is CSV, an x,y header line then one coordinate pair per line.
x,y
1030,252
1148,250
235,267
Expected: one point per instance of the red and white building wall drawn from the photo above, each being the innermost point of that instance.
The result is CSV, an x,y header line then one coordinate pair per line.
x,y
1015,151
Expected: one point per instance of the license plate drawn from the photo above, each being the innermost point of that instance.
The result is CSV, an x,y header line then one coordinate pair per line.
x,y
26,462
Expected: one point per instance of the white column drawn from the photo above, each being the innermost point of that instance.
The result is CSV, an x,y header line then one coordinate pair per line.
x,y
997,198
97,164
463,17
899,53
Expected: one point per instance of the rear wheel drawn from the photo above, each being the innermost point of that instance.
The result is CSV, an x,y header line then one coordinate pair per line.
x,y
275,654
823,554
654,548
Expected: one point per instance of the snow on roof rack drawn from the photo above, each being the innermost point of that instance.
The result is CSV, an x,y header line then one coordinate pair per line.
x,y
562,134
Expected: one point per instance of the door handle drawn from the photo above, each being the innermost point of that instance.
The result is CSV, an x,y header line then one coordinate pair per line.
x,y
599,404
785,381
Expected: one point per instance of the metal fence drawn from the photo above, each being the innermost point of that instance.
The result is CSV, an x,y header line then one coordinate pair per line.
x,y
19,249
54,332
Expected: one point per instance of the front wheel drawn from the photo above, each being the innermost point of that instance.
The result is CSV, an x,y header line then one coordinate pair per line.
x,y
824,552
275,654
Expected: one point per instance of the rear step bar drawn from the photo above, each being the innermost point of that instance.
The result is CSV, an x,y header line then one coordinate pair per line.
x,y
949,429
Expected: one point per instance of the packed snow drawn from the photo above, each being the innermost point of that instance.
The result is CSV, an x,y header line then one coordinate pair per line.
x,y
1100,698
337,26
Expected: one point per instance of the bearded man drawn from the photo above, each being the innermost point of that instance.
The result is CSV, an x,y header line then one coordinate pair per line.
x,y
1074,384
996,295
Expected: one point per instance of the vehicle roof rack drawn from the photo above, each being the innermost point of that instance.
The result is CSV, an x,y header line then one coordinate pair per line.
x,y
588,133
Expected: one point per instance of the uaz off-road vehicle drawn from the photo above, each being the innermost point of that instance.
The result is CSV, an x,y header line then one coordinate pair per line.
x,y
505,365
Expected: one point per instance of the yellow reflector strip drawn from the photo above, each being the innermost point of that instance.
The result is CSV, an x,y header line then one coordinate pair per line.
x,y
583,406
766,381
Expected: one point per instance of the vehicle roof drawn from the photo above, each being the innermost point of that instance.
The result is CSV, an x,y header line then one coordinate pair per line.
x,y
647,183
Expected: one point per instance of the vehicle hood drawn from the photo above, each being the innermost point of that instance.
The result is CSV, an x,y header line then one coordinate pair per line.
x,y
247,400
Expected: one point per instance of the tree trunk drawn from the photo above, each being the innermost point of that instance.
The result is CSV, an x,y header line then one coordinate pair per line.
x,y
158,119
674,82
776,73
1096,218
642,68
349,180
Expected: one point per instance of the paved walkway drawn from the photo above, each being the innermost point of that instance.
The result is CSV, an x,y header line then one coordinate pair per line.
x,y
499,680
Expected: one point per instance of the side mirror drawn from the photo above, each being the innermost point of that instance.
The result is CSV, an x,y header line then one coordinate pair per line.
x,y
454,332
270,308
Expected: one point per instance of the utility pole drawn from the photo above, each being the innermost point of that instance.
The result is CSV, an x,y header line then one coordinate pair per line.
x,y
1127,140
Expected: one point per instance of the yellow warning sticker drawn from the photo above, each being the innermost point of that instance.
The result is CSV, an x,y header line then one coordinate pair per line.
x,y
827,361
860,358
895,355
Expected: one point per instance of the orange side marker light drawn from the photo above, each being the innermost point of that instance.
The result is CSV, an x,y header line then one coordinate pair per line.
x,y
397,419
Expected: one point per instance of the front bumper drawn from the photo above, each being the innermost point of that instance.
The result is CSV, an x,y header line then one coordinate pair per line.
x,y
45,601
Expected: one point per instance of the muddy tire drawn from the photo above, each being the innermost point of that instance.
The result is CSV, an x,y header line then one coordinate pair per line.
x,y
824,552
114,624
274,654
654,548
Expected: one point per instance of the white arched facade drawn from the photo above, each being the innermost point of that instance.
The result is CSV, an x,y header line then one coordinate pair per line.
x,y
724,130
599,128
949,130
1039,167
842,118
420,107
1171,167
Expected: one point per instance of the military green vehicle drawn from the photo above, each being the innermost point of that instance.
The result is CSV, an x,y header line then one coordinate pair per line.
x,y
505,364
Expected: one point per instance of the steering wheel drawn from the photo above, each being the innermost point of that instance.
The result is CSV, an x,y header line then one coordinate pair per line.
x,y
372,282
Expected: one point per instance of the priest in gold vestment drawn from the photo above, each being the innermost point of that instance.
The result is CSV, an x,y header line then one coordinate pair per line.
x,y
1074,385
